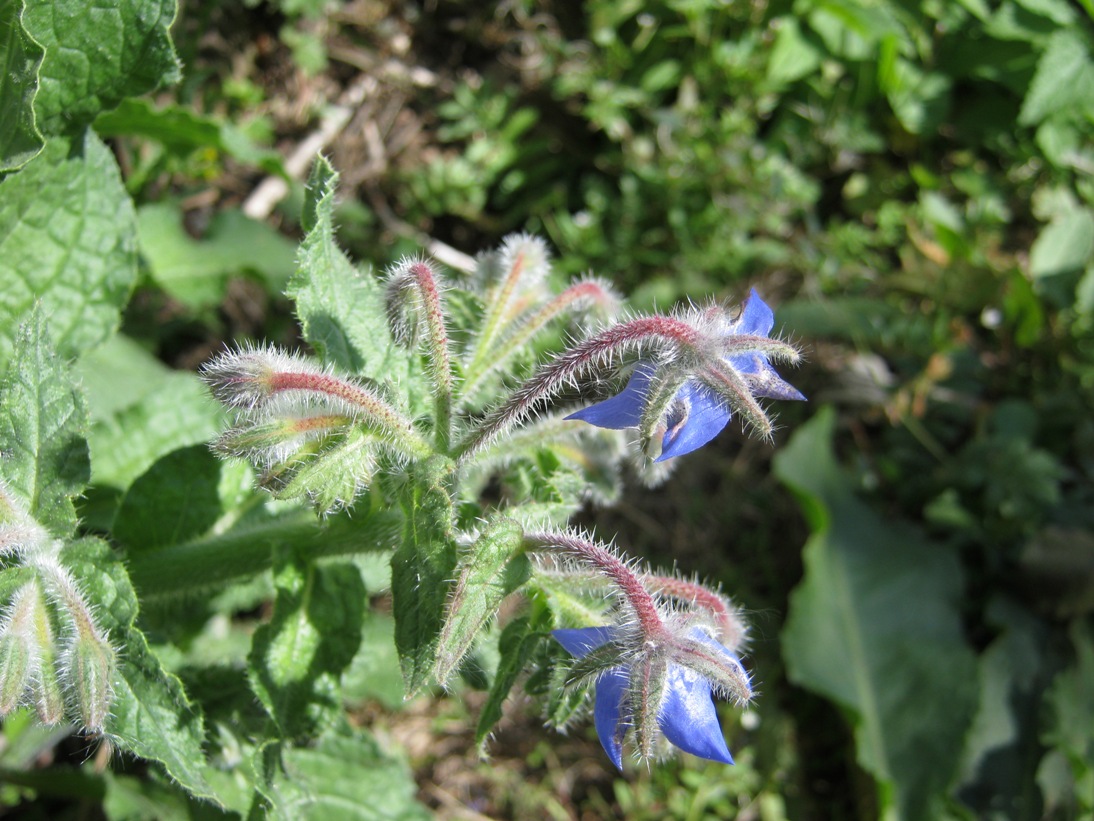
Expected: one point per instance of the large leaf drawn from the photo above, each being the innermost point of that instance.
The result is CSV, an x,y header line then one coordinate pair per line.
x,y
875,627
298,658
175,500
67,239
140,410
98,52
20,58
343,776
341,310
196,272
150,715
43,422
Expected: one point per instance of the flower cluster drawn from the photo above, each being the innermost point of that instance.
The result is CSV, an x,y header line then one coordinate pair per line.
x,y
684,401
73,671
658,667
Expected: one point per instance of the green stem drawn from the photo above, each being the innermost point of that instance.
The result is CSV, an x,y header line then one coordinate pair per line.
x,y
216,561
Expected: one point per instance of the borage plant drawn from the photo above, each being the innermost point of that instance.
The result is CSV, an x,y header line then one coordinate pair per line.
x,y
443,422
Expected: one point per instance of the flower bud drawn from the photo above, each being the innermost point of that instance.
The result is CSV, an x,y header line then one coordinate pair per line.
x,y
89,674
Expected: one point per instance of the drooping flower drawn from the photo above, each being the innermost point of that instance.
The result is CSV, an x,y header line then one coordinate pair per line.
x,y
660,684
725,375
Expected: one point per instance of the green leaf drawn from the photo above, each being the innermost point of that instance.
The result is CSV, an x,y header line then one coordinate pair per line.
x,y
140,410
20,57
150,715
332,478
68,239
875,626
1070,725
793,56
491,569
196,272
298,658
374,673
343,776
421,572
43,422
516,645
341,310
175,500
1064,79
183,131
1064,245
97,54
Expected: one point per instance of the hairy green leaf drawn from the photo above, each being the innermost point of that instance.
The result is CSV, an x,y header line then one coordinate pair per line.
x,y
421,572
515,646
491,569
150,715
97,54
43,422
341,310
20,57
298,658
68,239
875,627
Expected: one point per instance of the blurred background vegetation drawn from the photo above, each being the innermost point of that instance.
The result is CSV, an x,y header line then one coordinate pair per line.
x,y
908,182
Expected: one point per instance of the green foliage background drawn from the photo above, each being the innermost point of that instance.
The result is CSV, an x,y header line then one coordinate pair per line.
x,y
908,181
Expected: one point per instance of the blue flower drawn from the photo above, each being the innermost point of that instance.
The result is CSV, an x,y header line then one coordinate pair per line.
x,y
698,413
685,713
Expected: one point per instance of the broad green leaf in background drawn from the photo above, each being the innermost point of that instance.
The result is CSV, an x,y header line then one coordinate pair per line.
x,y
793,56
97,54
1064,79
341,310
298,658
182,131
1003,738
374,672
20,57
196,272
492,568
140,410
344,776
1064,245
43,421
1069,730
421,572
875,627
175,500
150,716
68,238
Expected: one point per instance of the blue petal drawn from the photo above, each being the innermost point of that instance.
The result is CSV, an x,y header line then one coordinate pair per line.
x,y
688,718
756,319
707,415
624,410
581,641
611,692
767,383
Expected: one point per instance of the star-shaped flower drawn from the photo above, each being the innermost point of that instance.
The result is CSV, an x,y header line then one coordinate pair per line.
x,y
684,706
730,376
